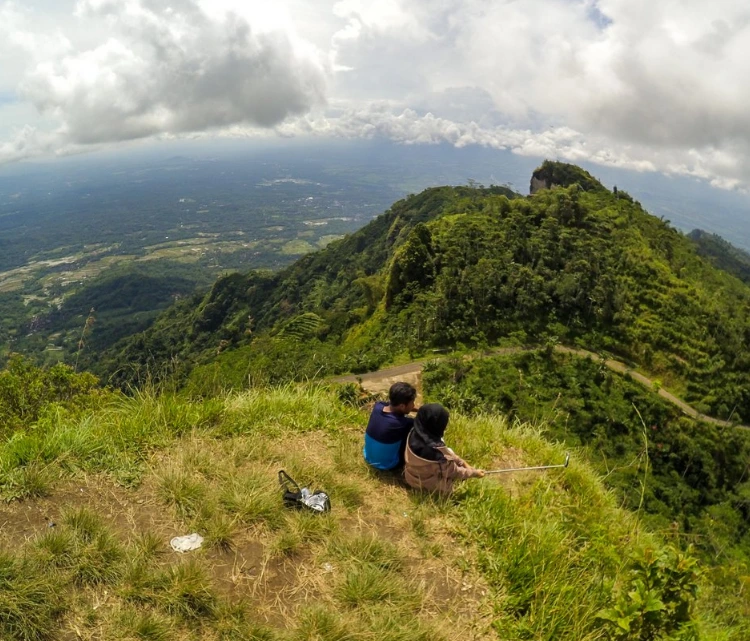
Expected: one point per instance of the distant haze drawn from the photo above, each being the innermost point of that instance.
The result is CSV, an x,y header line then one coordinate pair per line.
x,y
389,171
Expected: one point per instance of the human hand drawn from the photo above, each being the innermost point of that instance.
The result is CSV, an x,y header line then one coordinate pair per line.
x,y
479,473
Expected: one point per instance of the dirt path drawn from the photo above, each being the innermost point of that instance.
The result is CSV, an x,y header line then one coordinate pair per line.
x,y
380,381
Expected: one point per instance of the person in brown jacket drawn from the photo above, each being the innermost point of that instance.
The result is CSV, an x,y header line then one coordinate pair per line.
x,y
430,464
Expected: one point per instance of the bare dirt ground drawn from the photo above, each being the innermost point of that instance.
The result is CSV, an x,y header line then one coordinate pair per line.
x,y
252,568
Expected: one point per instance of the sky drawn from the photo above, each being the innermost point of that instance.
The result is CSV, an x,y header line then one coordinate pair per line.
x,y
644,85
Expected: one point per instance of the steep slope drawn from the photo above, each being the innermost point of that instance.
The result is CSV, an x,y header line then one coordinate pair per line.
x,y
722,254
340,283
586,267
531,556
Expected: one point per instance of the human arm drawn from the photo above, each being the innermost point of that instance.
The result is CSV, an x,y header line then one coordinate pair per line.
x,y
456,467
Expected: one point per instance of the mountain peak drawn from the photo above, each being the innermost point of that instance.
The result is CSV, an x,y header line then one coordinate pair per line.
x,y
559,174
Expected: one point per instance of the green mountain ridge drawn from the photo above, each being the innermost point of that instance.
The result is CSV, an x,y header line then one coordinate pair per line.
x,y
722,254
462,266
530,556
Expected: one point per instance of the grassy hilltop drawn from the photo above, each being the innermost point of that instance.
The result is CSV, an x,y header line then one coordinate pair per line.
x,y
528,556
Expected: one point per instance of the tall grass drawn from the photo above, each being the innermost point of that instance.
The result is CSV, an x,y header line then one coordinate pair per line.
x,y
31,600
550,548
555,549
122,433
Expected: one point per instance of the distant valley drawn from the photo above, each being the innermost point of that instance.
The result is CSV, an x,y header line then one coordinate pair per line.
x,y
128,236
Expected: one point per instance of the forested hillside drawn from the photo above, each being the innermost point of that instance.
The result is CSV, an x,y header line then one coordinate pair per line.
x,y
722,254
460,266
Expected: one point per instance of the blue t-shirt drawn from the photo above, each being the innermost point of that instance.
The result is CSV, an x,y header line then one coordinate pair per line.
x,y
385,437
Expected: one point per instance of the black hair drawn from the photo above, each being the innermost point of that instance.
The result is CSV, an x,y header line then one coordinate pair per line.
x,y
401,394
427,435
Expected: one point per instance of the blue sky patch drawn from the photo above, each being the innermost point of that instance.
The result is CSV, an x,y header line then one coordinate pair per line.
x,y
597,17
8,97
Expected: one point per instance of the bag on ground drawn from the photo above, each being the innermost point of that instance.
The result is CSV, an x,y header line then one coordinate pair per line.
x,y
301,498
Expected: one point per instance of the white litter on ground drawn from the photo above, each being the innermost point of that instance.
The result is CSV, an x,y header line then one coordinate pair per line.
x,y
186,543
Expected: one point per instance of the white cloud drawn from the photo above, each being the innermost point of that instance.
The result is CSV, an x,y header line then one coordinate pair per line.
x,y
648,85
174,69
652,86
409,127
21,45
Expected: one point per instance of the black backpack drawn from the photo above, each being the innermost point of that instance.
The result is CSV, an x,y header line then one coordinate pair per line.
x,y
302,498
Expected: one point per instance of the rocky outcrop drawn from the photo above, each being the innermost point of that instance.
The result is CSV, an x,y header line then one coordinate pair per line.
x,y
559,174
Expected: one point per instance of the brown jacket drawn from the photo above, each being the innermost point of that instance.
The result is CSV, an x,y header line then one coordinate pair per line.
x,y
436,476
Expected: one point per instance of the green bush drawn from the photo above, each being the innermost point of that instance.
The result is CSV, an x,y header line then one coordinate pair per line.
x,y
26,390
657,601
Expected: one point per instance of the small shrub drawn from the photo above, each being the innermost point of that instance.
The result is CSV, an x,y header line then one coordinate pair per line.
x,y
657,602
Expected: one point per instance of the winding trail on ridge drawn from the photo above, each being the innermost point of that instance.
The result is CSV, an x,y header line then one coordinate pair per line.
x,y
411,372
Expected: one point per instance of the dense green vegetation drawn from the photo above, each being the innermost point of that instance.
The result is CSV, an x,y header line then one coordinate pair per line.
x,y
684,474
538,557
723,254
463,266
342,284
27,391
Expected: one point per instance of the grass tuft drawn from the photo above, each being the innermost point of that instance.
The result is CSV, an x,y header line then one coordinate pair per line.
x,y
395,625
99,562
83,523
29,482
371,584
143,626
366,549
253,498
182,491
31,600
55,548
217,529
320,624
83,548
146,546
232,624
183,590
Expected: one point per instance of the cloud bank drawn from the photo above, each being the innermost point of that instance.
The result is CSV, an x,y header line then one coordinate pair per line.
x,y
172,69
629,83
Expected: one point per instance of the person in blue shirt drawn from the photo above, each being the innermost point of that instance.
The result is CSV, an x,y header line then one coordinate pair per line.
x,y
388,427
